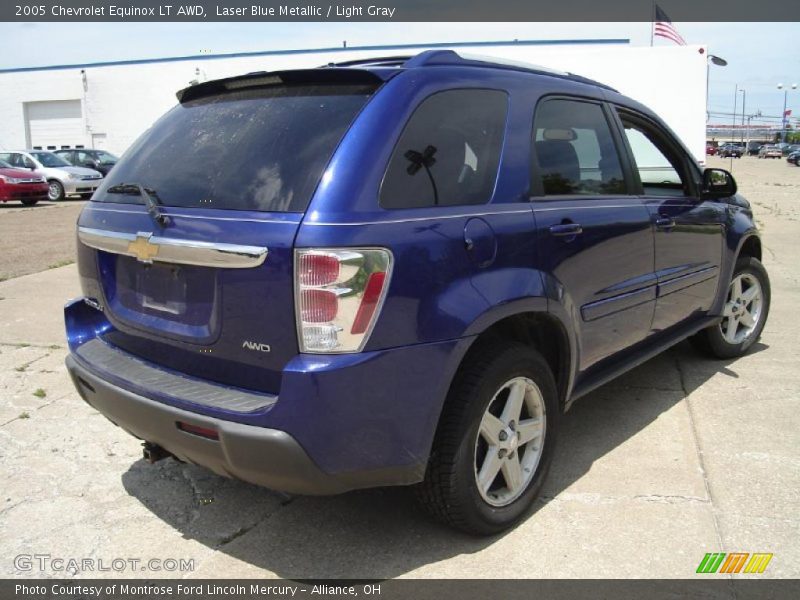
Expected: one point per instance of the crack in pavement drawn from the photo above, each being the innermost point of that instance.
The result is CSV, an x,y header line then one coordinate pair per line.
x,y
699,451
668,498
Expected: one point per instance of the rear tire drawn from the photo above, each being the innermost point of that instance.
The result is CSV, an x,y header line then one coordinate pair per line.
x,y
29,201
744,314
482,432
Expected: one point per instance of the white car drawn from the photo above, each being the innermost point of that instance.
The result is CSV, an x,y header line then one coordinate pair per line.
x,y
63,179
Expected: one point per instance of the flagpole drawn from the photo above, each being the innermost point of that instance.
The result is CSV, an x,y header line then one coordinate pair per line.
x,y
652,22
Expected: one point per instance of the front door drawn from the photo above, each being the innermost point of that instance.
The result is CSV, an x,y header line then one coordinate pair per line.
x,y
688,229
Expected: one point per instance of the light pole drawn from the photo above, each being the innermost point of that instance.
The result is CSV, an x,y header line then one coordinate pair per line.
x,y
783,115
744,99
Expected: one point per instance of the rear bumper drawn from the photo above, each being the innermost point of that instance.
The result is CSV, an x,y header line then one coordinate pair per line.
x,y
267,457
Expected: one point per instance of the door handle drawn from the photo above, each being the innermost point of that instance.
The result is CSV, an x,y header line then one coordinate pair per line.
x,y
566,229
665,222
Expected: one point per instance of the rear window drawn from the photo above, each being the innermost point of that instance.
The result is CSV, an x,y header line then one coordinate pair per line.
x,y
257,149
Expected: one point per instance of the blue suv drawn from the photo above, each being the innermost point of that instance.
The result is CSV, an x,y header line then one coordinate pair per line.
x,y
399,272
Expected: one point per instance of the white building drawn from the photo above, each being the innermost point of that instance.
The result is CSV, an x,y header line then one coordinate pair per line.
x,y
108,105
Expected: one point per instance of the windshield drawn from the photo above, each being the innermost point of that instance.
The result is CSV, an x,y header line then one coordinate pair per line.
x,y
48,159
259,149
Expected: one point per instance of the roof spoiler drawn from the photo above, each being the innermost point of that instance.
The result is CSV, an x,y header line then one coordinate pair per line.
x,y
342,76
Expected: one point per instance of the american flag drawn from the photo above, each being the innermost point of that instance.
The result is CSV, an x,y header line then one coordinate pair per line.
x,y
663,28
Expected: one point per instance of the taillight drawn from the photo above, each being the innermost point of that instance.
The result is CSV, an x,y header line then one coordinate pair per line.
x,y
339,293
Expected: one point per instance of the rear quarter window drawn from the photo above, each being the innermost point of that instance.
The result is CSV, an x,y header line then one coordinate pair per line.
x,y
449,151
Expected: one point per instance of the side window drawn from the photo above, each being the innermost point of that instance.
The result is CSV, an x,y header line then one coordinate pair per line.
x,y
449,151
25,162
574,150
11,158
659,169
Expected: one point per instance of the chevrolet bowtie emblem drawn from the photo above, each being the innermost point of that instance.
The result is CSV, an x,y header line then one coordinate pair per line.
x,y
142,249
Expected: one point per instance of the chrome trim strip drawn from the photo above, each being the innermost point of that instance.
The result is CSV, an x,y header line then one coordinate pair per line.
x,y
415,219
202,217
148,248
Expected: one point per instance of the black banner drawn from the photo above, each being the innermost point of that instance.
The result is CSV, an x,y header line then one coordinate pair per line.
x,y
396,10
703,587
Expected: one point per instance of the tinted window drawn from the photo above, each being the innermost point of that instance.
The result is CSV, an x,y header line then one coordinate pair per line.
x,y
449,151
574,149
262,149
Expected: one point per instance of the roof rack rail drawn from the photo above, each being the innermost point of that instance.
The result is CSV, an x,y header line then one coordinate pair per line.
x,y
380,61
450,57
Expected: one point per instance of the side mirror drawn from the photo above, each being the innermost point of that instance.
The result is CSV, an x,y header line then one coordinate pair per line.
x,y
718,183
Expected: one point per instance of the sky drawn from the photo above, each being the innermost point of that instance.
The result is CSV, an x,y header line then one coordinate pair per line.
x,y
759,55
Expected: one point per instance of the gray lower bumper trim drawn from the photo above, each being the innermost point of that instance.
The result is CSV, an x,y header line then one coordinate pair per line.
x,y
126,367
266,457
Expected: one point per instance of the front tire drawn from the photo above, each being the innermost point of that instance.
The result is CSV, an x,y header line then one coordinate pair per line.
x,y
55,190
495,440
29,201
744,313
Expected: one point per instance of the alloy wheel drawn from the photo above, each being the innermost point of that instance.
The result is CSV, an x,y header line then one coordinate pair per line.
x,y
743,308
510,441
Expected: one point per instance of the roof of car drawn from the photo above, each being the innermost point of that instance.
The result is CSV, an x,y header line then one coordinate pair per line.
x,y
373,70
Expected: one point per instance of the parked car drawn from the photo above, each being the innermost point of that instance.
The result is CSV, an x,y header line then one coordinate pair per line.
x,y
399,276
711,149
769,151
788,149
62,178
793,158
99,160
22,185
753,148
731,151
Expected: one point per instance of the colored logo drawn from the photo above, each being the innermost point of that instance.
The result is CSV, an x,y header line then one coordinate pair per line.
x,y
734,562
142,249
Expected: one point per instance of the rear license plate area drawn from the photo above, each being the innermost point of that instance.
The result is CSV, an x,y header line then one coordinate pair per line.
x,y
162,289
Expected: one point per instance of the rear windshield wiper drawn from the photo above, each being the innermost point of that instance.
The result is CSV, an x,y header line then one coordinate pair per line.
x,y
150,199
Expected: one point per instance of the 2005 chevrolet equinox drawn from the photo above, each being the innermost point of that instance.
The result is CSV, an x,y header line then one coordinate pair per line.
x,y
399,271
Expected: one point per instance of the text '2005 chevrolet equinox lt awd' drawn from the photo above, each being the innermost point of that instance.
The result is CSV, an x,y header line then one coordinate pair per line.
x,y
399,272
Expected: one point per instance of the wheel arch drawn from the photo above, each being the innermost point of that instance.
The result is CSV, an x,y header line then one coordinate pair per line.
x,y
750,245
530,322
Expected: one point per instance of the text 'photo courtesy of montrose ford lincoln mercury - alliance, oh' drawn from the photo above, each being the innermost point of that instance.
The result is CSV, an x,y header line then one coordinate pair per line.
x,y
399,271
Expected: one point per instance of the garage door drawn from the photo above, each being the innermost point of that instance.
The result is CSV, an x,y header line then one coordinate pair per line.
x,y
55,123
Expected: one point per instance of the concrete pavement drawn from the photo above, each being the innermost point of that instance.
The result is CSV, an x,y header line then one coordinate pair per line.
x,y
680,457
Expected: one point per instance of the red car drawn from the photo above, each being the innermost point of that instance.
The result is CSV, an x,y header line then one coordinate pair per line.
x,y
711,149
20,184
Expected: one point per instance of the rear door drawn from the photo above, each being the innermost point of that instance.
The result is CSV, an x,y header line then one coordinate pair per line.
x,y
595,239
209,291
688,229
